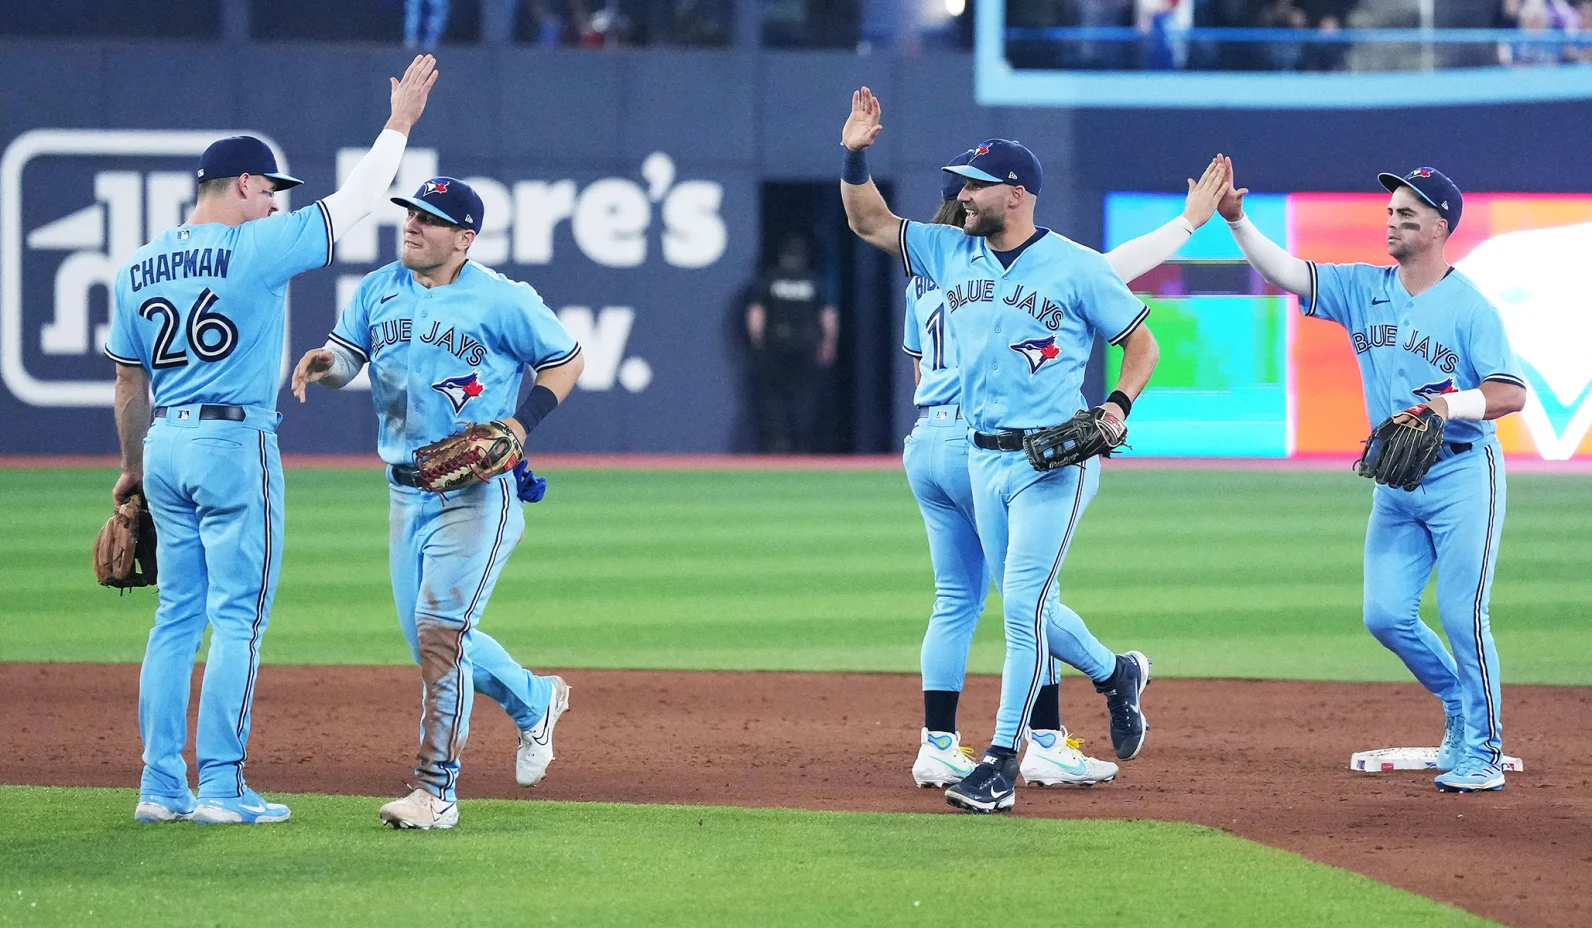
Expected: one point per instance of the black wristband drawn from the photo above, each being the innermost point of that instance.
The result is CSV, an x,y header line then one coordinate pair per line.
x,y
854,168
538,403
1121,399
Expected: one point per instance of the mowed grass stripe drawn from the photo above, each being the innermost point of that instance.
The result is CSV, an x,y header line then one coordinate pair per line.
x,y
75,857
1237,573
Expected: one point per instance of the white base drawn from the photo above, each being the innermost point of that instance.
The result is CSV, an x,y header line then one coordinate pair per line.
x,y
1387,759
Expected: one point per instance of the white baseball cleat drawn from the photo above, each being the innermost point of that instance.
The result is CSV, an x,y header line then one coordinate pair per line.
x,y
942,760
536,743
1053,759
420,810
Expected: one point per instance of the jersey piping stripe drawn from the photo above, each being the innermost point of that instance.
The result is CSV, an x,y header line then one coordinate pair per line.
x,y
1042,661
358,351
1495,754
906,257
1137,321
1504,378
915,354
130,362
559,361
1310,305
259,612
326,220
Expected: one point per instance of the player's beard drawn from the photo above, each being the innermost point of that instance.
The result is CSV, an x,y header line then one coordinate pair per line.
x,y
984,225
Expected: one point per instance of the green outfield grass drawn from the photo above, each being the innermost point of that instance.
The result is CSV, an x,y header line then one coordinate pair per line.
x,y
75,857
1242,573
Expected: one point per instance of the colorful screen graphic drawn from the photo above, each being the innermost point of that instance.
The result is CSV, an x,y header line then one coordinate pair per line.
x,y
1242,373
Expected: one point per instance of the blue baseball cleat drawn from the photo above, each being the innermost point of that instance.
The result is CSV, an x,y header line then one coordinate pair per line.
x,y
153,808
991,787
1453,746
1471,776
1122,692
248,809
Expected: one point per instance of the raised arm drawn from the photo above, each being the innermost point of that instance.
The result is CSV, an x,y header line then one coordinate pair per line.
x,y
1276,265
367,183
1149,251
866,212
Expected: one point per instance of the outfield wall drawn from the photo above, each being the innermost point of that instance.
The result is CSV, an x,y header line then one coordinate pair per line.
x,y
625,186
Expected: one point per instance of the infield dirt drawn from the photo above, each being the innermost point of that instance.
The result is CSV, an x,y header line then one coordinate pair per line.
x,y
1263,760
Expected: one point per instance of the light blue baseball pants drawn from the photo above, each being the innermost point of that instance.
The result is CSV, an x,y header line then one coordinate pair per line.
x,y
935,455
1453,521
215,490
446,555
1026,520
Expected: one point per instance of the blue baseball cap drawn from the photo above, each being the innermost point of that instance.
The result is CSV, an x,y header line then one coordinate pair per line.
x,y
1002,161
237,155
449,199
951,183
1434,187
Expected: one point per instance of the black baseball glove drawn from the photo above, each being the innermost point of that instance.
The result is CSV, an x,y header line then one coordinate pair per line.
x,y
1402,448
1088,433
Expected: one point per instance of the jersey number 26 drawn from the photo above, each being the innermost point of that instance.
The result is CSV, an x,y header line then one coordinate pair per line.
x,y
211,335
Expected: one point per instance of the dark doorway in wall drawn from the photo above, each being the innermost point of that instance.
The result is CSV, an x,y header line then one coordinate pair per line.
x,y
851,399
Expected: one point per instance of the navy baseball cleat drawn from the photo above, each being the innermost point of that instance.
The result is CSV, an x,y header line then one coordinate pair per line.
x,y
1122,692
991,787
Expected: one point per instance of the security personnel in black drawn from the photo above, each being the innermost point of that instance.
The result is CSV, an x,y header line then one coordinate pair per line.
x,y
793,332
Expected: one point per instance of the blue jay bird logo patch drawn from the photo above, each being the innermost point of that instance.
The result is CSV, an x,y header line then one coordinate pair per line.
x,y
1037,351
1438,388
460,390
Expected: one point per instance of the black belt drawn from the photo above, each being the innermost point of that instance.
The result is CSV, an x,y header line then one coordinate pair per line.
x,y
209,411
1458,447
404,476
1011,440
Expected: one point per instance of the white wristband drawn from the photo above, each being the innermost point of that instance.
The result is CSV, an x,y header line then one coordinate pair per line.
x,y
1470,405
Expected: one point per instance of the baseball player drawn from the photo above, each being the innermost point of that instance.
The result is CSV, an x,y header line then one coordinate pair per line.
x,y
1425,338
447,341
935,455
1023,306
198,316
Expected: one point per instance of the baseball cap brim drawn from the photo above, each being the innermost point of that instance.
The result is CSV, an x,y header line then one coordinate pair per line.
x,y
424,207
967,170
284,181
1393,182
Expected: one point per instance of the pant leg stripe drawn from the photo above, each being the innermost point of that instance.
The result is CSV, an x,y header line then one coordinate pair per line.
x,y
1041,661
486,574
259,608
1496,753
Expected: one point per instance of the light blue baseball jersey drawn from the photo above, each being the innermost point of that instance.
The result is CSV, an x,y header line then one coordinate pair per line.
x,y
201,306
441,357
924,339
1411,348
1021,335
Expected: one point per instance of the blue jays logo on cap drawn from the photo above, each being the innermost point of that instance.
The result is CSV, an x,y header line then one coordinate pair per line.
x,y
1437,388
449,199
1430,185
1037,351
1002,161
460,390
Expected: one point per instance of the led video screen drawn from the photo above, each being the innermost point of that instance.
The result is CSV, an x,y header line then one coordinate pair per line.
x,y
1243,374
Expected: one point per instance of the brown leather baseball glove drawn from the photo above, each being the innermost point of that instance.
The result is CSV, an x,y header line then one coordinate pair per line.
x,y
124,551
477,454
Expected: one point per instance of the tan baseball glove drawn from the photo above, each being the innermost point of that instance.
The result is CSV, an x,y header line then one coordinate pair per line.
x,y
475,455
124,551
